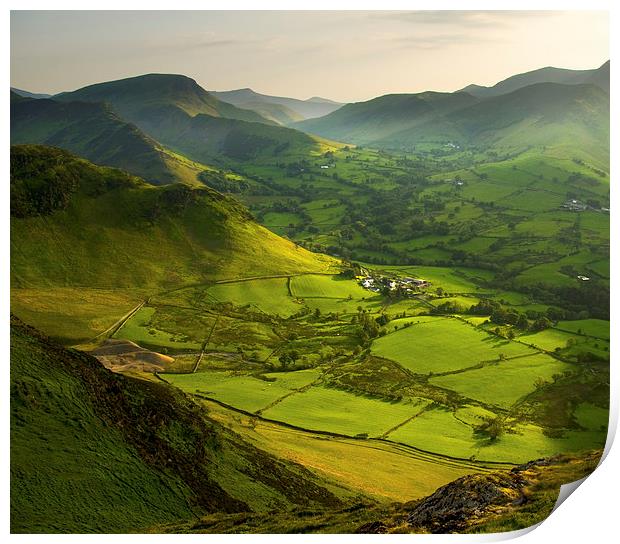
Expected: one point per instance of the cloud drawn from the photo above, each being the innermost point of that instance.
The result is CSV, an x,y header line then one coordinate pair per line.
x,y
469,19
438,41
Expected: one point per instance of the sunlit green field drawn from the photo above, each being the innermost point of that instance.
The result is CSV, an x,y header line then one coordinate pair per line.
x,y
444,345
505,382
267,295
321,408
242,391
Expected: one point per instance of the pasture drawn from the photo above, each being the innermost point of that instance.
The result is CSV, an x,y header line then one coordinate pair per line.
x,y
268,295
505,382
349,462
440,432
326,287
73,314
141,330
444,345
327,409
242,390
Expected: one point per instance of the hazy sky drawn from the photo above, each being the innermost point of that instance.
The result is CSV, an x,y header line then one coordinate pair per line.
x,y
342,55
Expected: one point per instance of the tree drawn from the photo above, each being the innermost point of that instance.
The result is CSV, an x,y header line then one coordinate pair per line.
x,y
541,324
493,428
522,322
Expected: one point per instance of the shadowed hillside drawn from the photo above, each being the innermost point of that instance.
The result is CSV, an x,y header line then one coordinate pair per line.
x,y
183,116
94,451
292,108
95,132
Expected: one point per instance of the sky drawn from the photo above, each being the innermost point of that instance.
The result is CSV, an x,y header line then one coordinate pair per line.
x,y
342,55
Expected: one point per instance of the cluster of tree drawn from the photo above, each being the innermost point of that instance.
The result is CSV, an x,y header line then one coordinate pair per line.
x,y
370,327
288,358
218,181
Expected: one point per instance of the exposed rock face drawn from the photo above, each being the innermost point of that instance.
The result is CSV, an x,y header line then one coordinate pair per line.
x,y
460,501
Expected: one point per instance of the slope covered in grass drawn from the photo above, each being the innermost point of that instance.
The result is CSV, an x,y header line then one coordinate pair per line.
x,y
75,224
573,117
180,114
93,451
94,131
133,97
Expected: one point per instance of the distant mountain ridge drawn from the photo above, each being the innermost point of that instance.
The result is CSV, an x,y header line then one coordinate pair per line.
x,y
545,114
597,76
378,119
28,94
304,109
180,114
134,97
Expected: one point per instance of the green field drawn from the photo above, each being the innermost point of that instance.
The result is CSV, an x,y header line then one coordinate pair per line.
x,y
243,391
503,383
440,432
321,408
73,315
139,329
267,295
596,328
314,286
444,345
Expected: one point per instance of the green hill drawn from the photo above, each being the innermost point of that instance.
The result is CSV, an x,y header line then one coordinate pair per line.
x,y
76,224
543,115
135,97
381,118
94,451
177,112
598,76
94,131
299,109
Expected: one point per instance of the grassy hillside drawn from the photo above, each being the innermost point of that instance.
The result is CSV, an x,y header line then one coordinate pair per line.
x,y
486,503
95,132
78,224
180,114
93,451
134,97
382,117
538,115
544,115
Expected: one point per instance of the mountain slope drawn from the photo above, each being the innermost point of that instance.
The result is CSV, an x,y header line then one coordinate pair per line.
x,y
76,224
275,112
134,97
385,116
575,117
177,112
598,76
302,109
28,94
95,132
545,114
93,451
